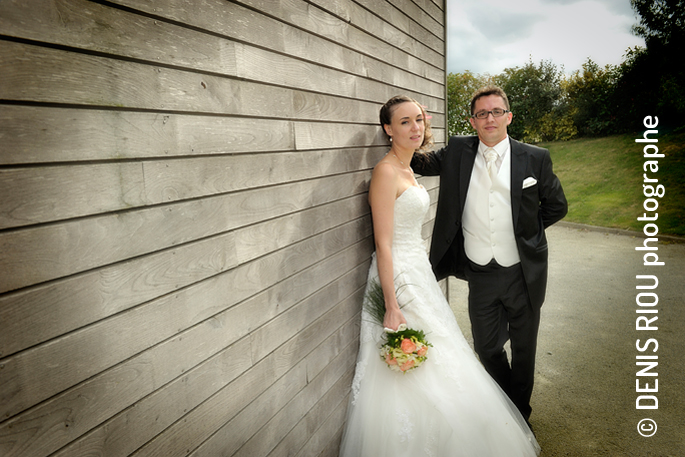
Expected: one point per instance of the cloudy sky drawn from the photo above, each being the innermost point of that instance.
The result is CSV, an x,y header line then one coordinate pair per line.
x,y
489,36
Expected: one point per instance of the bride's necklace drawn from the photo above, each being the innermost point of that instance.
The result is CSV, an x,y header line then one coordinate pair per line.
x,y
398,159
408,168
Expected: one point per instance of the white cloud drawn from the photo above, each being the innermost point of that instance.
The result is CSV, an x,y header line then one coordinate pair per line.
x,y
487,37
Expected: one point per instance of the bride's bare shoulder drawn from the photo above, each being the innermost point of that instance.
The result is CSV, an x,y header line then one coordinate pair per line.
x,y
384,173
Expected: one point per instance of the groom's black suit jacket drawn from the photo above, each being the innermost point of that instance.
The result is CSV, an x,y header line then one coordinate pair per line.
x,y
533,209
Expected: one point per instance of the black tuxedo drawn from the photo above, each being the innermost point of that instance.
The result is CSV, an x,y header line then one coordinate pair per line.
x,y
533,209
504,302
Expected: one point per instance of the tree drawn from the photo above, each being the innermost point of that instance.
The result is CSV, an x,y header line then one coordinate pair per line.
x,y
460,88
659,68
591,92
637,89
533,91
592,101
662,22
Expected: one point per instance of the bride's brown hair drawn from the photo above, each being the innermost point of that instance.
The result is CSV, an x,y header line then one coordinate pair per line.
x,y
388,109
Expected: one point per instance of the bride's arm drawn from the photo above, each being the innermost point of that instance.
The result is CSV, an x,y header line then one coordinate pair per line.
x,y
382,195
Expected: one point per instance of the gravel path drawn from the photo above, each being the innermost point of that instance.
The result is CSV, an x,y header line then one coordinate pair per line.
x,y
584,397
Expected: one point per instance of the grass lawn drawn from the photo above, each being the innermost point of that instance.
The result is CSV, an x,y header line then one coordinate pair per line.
x,y
602,179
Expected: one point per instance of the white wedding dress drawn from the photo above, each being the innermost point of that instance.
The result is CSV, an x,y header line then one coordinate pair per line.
x,y
447,407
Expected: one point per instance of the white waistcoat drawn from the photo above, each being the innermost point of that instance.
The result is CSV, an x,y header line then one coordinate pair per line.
x,y
487,221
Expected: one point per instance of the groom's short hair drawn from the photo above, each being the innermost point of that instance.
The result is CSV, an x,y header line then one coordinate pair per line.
x,y
488,90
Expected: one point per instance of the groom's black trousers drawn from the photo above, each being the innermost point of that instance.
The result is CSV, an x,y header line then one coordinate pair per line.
x,y
500,310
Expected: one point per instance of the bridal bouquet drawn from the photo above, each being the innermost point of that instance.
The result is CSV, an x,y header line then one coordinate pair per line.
x,y
404,349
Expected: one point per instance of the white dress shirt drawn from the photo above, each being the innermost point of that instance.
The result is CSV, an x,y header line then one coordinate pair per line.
x,y
487,220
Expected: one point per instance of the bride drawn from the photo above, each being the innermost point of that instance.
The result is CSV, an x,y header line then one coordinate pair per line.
x,y
448,406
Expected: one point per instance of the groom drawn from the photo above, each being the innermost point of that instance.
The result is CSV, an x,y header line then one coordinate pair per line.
x,y
496,198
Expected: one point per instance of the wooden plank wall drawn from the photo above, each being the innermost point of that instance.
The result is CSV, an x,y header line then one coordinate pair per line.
x,y
184,232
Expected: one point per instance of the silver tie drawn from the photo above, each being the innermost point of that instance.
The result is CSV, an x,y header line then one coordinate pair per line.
x,y
490,158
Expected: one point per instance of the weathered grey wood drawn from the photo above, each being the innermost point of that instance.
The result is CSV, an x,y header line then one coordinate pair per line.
x,y
70,135
322,135
437,119
317,416
271,235
142,327
282,423
223,406
87,25
153,368
199,423
168,181
425,27
237,22
326,356
313,105
132,427
53,309
51,425
224,18
326,440
35,195
398,26
57,308
295,319
135,425
43,253
184,231
284,70
235,434
389,25
433,9
36,74
317,361
389,28
338,340
439,136
33,73
228,439
106,135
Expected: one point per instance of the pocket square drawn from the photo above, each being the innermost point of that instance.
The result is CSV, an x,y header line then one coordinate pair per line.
x,y
529,181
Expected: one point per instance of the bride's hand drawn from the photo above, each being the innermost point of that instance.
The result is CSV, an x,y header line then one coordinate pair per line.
x,y
393,319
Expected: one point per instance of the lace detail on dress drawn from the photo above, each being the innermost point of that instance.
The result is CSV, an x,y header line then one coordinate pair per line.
x,y
359,372
431,447
406,425
449,367
369,330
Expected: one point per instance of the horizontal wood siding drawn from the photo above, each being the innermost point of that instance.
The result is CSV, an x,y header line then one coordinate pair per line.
x,y
184,227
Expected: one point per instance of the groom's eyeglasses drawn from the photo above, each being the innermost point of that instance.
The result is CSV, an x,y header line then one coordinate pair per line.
x,y
497,112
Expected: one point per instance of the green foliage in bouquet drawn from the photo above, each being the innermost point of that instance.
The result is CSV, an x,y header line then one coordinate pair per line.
x,y
374,303
395,339
404,349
